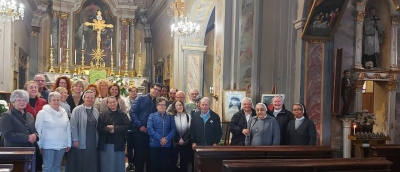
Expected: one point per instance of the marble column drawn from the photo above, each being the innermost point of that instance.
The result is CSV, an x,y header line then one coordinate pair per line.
x,y
131,39
56,42
346,124
147,71
124,42
391,114
393,52
193,66
359,38
33,54
63,39
358,96
300,45
6,51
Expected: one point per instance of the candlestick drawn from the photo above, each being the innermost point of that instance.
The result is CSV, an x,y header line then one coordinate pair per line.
x,y
126,45
140,48
51,40
66,61
111,45
74,74
354,127
126,65
133,61
59,63
67,36
140,63
83,40
83,61
112,64
119,60
75,57
51,70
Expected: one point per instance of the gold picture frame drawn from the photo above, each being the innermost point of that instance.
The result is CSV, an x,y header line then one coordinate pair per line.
x,y
231,103
323,20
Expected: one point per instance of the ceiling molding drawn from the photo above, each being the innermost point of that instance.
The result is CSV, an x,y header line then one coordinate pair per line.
x,y
155,7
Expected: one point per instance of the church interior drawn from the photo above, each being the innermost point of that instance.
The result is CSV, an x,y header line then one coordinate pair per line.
x,y
299,49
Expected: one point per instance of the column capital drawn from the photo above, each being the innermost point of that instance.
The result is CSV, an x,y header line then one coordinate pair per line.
x,y
359,85
194,47
299,23
395,20
147,40
124,21
360,16
346,121
392,86
64,15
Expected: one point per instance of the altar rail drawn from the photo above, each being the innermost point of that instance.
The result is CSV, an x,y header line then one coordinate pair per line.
x,y
209,158
390,151
22,158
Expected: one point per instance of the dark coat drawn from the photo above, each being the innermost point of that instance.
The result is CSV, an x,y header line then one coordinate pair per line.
x,y
236,126
205,134
141,109
344,85
121,124
283,118
71,103
306,134
16,129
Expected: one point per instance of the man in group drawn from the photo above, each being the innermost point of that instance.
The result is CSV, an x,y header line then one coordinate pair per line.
x,y
172,95
180,95
193,93
141,108
282,115
41,81
164,92
205,127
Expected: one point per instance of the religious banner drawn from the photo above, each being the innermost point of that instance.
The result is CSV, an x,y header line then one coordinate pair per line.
x,y
95,75
85,38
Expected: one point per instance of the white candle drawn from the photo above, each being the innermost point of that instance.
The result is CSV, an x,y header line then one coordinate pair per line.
x,y
83,41
140,48
354,126
119,59
126,43
60,54
133,60
51,40
75,56
111,45
67,36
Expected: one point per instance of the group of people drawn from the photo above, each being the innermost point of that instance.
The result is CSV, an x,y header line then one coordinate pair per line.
x,y
89,125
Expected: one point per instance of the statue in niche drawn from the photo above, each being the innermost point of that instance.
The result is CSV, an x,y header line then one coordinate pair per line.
x,y
373,36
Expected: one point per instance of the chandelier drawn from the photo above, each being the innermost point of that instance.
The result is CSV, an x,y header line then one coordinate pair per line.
x,y
9,11
185,28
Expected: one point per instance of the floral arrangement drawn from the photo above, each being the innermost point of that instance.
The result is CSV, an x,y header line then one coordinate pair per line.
x,y
365,118
3,106
123,86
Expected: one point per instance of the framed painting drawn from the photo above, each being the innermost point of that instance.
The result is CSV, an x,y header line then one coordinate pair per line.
x,y
324,19
232,103
267,99
86,13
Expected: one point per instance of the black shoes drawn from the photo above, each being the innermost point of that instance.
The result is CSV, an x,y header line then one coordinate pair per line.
x,y
130,167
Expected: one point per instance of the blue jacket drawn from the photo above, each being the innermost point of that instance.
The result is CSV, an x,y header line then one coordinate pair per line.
x,y
159,126
141,108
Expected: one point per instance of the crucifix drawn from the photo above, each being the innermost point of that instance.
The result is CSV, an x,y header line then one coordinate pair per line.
x,y
99,26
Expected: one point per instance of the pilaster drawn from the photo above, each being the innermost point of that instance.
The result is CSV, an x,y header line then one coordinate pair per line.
x,y
359,38
33,54
149,57
124,42
393,52
193,65
6,50
358,97
391,114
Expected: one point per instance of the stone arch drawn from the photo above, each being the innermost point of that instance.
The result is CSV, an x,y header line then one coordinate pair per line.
x,y
110,4
393,5
200,13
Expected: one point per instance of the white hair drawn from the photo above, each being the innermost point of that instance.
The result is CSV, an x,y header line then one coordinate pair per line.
x,y
248,99
19,94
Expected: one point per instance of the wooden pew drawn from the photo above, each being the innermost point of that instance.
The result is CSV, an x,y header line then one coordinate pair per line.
x,y
23,158
6,167
209,158
308,165
391,152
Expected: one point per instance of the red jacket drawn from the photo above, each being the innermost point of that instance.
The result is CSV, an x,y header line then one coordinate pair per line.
x,y
40,102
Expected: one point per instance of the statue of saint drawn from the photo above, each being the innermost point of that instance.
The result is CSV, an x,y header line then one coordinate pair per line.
x,y
373,32
346,91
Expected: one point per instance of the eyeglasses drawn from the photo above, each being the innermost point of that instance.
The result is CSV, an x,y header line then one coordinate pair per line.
x,y
21,100
162,105
132,91
40,80
157,90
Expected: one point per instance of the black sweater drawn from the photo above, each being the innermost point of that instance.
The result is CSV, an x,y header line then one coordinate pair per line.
x,y
306,134
236,126
121,124
205,134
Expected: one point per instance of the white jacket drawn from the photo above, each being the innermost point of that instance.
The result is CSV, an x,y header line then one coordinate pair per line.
x,y
53,128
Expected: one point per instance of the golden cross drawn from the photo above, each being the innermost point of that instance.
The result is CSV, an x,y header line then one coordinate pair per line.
x,y
98,25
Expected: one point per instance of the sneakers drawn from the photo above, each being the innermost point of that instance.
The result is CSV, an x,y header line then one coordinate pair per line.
x,y
130,167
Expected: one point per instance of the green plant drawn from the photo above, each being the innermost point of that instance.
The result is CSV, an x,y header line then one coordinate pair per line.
x,y
3,106
365,118
123,86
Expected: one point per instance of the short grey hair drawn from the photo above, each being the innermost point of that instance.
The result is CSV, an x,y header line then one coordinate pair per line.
x,y
53,94
278,97
19,94
249,99
180,92
206,98
39,74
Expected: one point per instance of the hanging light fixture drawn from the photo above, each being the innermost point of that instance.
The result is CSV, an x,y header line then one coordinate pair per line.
x,y
185,28
9,11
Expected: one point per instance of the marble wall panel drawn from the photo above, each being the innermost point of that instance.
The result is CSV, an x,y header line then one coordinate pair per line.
x,y
55,41
63,41
219,52
397,110
124,39
313,80
192,73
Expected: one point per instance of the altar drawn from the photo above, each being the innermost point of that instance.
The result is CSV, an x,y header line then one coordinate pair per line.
x,y
101,63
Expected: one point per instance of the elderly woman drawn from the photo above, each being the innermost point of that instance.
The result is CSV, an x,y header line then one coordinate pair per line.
x,y
182,145
102,85
63,81
161,128
52,125
75,99
263,129
238,124
301,130
35,103
113,90
63,100
97,101
113,124
130,140
18,125
83,155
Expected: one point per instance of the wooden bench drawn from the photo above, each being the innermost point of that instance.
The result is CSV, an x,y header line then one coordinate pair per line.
x,y
209,159
391,152
6,167
308,165
22,158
